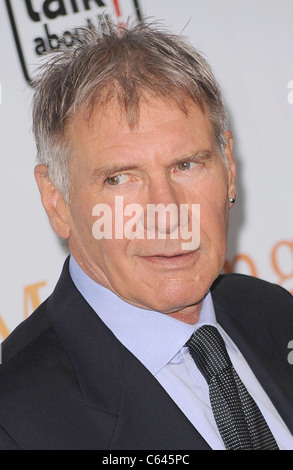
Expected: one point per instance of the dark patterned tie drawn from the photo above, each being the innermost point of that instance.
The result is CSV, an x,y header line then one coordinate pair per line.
x,y
238,418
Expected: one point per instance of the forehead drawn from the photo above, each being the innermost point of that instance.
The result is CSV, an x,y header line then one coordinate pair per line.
x,y
160,123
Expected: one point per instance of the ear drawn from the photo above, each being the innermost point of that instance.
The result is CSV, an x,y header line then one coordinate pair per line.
x,y
232,191
53,202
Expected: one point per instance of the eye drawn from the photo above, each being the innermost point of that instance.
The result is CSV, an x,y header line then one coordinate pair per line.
x,y
117,180
186,166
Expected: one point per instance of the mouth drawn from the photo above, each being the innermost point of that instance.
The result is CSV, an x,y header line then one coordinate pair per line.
x,y
174,260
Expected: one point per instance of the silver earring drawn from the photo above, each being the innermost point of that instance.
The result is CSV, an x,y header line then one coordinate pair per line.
x,y
232,200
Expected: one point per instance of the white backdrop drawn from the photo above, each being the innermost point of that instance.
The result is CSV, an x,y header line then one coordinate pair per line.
x,y
250,47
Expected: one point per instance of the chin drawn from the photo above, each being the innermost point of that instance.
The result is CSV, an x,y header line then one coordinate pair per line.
x,y
175,294
172,303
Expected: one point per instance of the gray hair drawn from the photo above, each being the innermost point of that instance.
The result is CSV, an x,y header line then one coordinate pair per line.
x,y
107,63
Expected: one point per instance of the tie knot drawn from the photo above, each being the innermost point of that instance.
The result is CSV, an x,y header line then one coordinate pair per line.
x,y
208,351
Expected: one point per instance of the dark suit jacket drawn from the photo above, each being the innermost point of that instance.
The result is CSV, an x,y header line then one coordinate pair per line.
x,y
68,383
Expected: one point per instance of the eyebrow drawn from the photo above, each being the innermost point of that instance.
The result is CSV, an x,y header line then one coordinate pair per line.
x,y
200,156
107,171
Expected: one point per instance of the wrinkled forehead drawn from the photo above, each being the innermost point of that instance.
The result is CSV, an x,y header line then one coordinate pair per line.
x,y
162,127
111,103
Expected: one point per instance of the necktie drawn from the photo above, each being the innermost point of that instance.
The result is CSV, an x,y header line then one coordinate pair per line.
x,y
238,418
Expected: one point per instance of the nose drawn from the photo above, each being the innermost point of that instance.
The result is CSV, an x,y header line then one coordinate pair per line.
x,y
162,212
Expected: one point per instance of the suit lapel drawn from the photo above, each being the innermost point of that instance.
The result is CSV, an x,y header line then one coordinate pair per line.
x,y
96,358
148,417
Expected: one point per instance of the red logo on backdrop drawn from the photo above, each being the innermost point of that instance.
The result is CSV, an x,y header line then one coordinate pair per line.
x,y
39,26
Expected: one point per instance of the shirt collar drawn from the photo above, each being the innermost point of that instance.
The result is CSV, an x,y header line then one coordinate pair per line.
x,y
153,337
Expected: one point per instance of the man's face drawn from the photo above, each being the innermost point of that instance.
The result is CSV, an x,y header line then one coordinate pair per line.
x,y
169,158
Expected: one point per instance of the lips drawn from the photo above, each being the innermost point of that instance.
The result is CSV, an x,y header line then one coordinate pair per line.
x,y
169,255
172,260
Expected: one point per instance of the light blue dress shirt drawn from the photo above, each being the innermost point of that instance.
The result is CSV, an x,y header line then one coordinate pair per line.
x,y
157,340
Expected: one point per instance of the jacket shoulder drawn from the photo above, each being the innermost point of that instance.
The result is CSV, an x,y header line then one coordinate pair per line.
x,y
32,347
25,333
249,288
245,298
34,378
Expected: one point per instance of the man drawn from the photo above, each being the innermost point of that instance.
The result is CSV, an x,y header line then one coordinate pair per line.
x,y
132,139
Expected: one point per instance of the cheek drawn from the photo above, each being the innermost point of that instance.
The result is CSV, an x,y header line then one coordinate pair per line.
x,y
117,265
82,219
214,224
82,223
214,212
